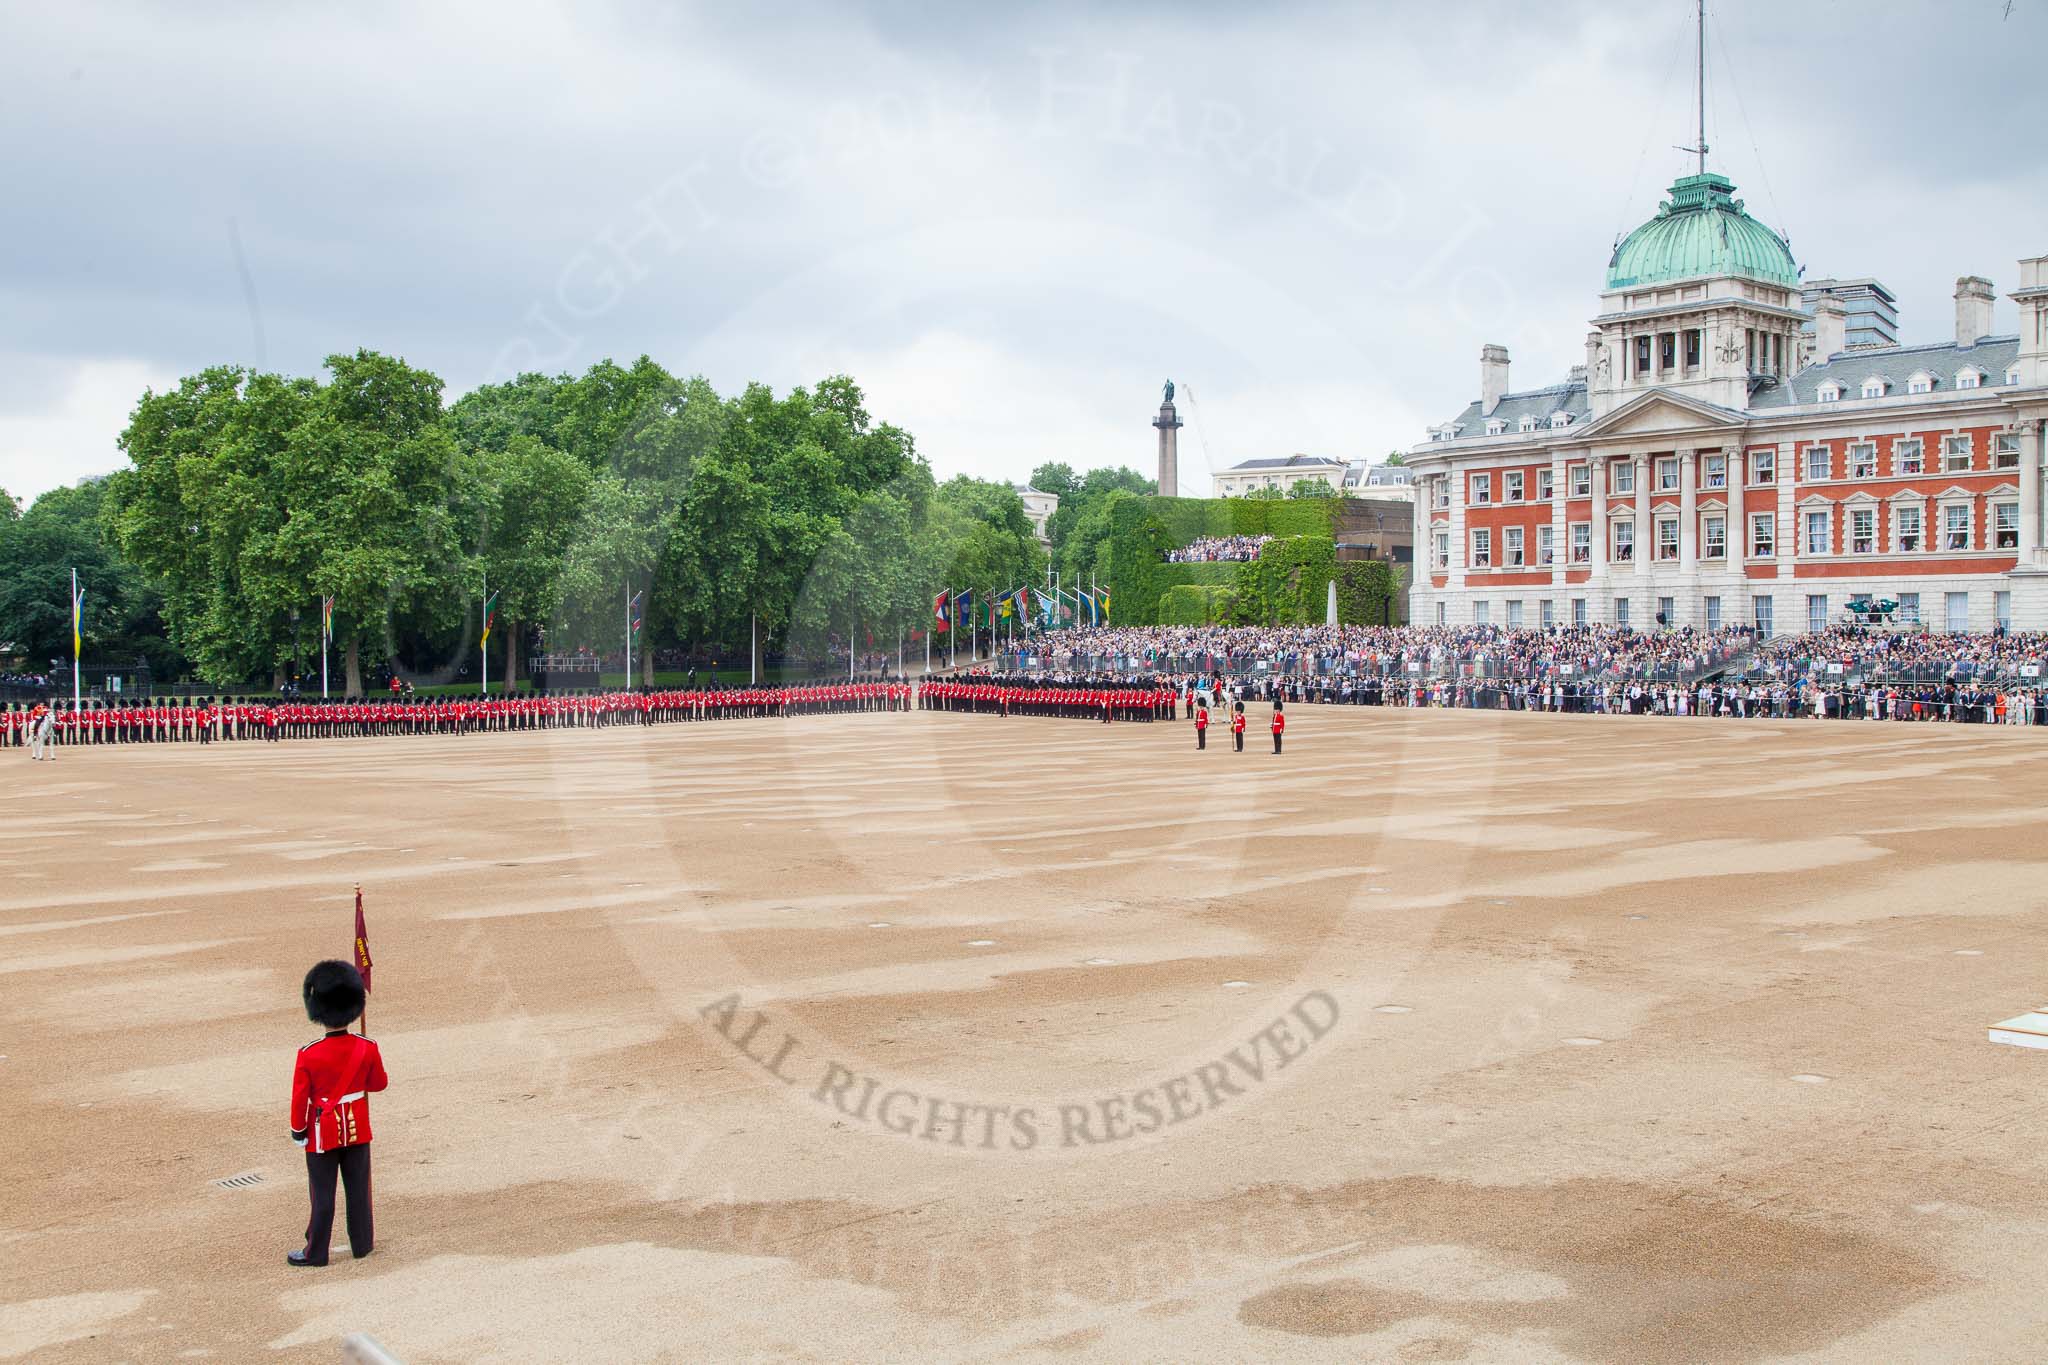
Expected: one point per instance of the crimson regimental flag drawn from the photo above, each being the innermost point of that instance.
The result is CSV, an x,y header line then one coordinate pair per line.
x,y
362,943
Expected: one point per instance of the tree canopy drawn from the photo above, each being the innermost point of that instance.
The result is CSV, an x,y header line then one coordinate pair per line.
x,y
795,518
39,549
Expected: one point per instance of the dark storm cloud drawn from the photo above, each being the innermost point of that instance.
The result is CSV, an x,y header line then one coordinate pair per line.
x,y
1010,222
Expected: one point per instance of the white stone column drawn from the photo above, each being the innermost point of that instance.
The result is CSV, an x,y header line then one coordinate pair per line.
x,y
1688,536
1738,521
1646,532
1457,511
1688,514
2030,492
1596,474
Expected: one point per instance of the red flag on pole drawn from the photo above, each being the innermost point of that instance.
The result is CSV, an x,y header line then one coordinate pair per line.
x,y
362,943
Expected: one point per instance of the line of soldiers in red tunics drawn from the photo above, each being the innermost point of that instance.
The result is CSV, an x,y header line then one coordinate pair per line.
x,y
999,695
233,718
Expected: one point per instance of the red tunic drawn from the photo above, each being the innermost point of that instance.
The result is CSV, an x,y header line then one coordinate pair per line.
x,y
331,1084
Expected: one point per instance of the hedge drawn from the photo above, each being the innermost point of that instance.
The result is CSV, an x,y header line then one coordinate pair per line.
x,y
1365,590
1190,604
1142,530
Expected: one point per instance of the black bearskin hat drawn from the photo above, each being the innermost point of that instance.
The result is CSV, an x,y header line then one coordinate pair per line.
x,y
334,994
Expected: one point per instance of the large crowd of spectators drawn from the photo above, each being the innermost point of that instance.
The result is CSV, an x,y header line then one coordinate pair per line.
x,y
1469,651
1218,550
1609,670
1858,651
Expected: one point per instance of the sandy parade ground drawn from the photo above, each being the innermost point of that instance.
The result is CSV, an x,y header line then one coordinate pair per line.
x,y
1443,1036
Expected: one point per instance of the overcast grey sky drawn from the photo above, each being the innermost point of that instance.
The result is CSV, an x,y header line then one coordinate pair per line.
x,y
1009,223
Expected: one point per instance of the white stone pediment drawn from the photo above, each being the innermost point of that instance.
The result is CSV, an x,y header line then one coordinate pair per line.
x,y
1659,412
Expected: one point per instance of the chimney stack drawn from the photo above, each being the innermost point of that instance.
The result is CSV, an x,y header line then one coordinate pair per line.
x,y
1493,377
1830,328
1973,309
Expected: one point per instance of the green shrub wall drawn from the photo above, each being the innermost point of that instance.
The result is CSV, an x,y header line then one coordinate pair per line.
x,y
1143,529
1190,604
1365,591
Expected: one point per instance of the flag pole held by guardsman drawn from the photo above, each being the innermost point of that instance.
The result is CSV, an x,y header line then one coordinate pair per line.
x,y
363,959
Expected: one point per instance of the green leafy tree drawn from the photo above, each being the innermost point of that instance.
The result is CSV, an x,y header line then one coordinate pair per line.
x,y
525,502
1311,488
65,530
1055,477
1088,491
368,483
205,486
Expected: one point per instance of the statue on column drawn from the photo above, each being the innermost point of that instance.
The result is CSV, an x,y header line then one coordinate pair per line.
x,y
1169,394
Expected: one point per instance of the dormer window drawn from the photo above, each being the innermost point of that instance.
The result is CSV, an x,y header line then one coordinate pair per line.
x,y
1922,382
1875,386
1496,426
1560,420
2012,376
1526,424
1830,392
1969,378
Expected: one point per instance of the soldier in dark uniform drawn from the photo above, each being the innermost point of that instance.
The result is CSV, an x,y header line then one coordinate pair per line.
x,y
1237,727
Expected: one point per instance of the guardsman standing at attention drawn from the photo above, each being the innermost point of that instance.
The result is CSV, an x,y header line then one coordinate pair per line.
x,y
330,1115
1237,726
1201,724
1279,724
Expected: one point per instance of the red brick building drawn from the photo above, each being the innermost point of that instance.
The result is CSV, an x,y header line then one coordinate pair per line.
x,y
1691,468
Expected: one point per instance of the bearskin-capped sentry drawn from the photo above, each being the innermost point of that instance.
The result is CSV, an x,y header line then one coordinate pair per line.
x,y
334,993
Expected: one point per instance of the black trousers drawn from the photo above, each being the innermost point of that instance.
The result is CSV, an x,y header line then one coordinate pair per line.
x,y
1238,736
1276,741
1201,739
353,1165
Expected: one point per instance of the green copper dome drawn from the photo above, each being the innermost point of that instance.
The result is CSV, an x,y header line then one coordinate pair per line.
x,y
1701,230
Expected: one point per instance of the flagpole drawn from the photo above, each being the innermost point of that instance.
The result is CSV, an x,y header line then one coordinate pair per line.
x,y
363,1027
324,609
629,638
77,624
483,644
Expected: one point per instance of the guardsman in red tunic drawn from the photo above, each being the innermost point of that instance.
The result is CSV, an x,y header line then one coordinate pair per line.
x,y
1201,724
1237,727
330,1115
1279,724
